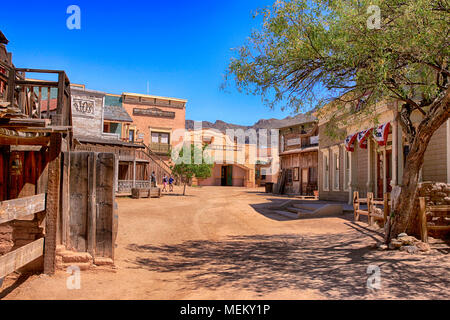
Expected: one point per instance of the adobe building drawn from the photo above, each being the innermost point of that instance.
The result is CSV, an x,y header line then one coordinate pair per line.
x,y
299,146
234,163
372,158
267,165
156,119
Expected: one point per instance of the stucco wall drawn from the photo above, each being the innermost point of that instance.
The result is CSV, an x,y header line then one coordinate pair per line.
x,y
144,123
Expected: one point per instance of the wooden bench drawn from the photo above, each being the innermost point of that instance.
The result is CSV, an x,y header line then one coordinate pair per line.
x,y
137,193
372,211
442,211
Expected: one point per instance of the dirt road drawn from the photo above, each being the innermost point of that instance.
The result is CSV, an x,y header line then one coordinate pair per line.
x,y
218,243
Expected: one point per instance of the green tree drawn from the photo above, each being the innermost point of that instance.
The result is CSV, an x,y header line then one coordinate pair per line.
x,y
189,162
310,53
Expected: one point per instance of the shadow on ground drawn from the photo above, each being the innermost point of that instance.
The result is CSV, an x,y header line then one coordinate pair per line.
x,y
334,265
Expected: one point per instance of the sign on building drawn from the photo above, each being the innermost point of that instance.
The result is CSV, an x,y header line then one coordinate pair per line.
x,y
83,107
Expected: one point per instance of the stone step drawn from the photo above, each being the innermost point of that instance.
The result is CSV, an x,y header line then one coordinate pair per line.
x,y
287,214
77,257
100,261
82,265
300,211
305,207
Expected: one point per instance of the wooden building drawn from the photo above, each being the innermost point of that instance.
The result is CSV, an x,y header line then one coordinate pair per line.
x,y
372,157
101,124
32,143
48,191
299,145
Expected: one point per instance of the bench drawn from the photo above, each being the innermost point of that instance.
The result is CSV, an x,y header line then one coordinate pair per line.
x,y
427,213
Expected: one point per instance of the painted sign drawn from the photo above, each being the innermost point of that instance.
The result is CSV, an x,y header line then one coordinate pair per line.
x,y
294,142
83,107
153,112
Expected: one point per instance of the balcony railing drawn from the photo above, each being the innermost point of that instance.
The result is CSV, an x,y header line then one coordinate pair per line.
x,y
160,148
125,186
33,98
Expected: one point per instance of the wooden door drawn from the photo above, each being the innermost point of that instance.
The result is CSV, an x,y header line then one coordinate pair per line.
x,y
92,198
229,176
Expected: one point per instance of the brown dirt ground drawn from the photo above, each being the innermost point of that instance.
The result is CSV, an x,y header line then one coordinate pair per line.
x,y
220,243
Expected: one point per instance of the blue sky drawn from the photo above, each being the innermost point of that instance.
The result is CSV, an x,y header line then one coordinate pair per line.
x,y
181,48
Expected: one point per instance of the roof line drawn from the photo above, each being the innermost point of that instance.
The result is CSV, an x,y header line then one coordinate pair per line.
x,y
152,96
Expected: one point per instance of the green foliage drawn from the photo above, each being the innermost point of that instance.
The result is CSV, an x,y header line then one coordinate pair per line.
x,y
309,53
186,165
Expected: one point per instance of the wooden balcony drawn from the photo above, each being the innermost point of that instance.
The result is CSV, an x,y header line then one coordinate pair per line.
x,y
36,99
160,148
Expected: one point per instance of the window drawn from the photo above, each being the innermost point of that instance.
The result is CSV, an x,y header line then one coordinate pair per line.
x,y
336,169
326,171
131,135
289,176
160,142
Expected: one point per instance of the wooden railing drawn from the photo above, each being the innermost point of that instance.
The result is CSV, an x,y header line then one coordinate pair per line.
x,y
372,212
161,148
27,96
442,212
125,186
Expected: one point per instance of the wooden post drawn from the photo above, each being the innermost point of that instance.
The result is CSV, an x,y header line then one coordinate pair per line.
x,y
53,194
386,208
134,173
356,205
92,205
423,220
370,207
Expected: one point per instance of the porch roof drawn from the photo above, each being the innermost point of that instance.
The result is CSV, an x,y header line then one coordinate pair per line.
x,y
302,150
96,140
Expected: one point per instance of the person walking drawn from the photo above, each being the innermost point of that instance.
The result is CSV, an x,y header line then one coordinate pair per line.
x,y
153,179
171,180
164,183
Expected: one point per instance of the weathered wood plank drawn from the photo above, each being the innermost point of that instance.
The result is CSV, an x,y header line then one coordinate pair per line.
x,y
105,172
15,260
439,228
53,201
92,204
19,208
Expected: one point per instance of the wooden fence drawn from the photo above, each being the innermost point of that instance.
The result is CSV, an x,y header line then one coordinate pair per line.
x,y
372,212
17,209
442,212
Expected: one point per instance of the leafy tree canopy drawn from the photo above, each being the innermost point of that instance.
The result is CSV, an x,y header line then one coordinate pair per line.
x,y
311,52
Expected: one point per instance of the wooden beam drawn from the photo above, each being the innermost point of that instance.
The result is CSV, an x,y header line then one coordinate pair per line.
x,y
16,259
37,83
19,208
53,194
26,148
27,122
35,141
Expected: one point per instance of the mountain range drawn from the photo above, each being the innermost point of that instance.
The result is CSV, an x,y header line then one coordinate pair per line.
x,y
261,124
